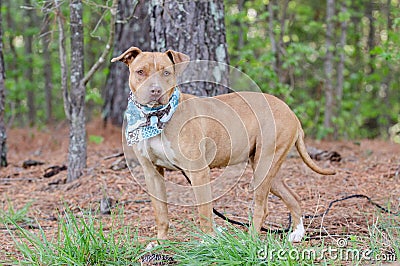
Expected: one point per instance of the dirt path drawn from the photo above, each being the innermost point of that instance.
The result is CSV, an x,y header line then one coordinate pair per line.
x,y
367,167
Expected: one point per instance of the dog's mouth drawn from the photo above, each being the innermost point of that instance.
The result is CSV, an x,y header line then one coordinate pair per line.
x,y
157,101
154,104
146,99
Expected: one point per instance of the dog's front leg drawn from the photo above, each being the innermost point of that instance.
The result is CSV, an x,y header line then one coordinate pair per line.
x,y
202,191
155,183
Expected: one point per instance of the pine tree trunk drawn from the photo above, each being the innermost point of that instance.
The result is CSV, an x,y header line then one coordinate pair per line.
x,y
386,84
271,34
340,67
241,25
132,29
276,40
329,92
30,93
195,28
371,35
13,65
342,56
77,140
47,69
3,134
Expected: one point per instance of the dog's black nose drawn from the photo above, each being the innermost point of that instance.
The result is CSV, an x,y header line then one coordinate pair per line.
x,y
155,91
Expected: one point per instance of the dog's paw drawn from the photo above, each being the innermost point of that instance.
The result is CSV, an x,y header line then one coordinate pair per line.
x,y
151,245
298,233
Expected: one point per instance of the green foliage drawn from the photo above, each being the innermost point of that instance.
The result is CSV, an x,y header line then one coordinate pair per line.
x,y
82,240
384,238
371,96
96,28
96,139
9,215
94,96
233,246
230,246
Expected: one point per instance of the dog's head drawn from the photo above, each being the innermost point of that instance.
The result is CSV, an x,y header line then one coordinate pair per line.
x,y
152,76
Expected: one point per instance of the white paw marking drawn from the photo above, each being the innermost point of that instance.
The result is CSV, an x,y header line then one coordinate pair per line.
x,y
151,245
298,233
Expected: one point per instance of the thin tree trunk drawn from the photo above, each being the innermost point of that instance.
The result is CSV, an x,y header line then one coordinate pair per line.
x,y
28,68
371,34
241,25
341,64
340,67
342,56
74,99
48,72
329,92
357,29
271,34
197,29
132,29
387,80
281,45
13,65
63,58
3,133
77,139
277,44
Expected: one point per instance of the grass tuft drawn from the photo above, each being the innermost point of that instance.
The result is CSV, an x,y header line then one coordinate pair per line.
x,y
232,246
79,241
229,246
84,239
11,215
384,239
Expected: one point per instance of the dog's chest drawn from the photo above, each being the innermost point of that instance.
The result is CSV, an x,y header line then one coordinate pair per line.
x,y
158,150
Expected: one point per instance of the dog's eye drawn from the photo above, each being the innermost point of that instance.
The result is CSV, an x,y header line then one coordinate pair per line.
x,y
140,72
167,73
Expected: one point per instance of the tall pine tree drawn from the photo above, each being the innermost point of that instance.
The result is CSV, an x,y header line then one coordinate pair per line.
x,y
3,134
195,28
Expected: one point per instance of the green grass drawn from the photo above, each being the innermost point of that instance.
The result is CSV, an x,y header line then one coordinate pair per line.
x,y
84,239
231,246
79,241
11,215
384,238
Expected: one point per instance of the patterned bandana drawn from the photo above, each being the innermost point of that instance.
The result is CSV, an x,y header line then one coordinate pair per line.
x,y
146,122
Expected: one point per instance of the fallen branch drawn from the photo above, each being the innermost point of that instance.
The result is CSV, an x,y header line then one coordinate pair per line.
x,y
29,163
53,170
133,201
28,226
115,155
322,155
29,179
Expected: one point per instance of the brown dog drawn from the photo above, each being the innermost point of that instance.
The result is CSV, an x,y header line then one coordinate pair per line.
x,y
212,132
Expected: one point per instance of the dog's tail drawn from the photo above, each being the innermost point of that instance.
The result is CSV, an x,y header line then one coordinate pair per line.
x,y
301,148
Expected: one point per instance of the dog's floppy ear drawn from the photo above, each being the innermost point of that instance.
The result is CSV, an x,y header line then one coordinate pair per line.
x,y
127,56
179,59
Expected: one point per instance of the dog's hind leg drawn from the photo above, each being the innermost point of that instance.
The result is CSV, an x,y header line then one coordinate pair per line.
x,y
266,165
262,187
291,200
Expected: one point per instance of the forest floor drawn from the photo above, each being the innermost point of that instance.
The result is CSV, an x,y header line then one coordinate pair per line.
x,y
369,167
